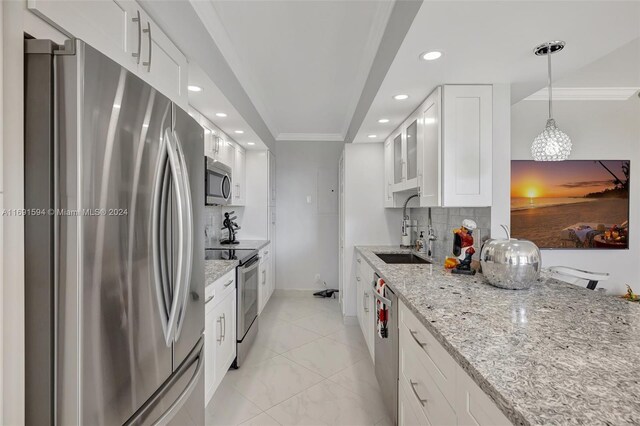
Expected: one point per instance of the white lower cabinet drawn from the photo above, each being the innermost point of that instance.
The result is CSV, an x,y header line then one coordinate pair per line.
x,y
219,332
432,388
408,413
366,303
265,278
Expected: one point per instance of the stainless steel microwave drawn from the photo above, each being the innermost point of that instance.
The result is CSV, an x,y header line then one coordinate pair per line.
x,y
217,182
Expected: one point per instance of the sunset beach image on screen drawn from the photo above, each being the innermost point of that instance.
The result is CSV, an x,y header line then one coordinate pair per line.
x,y
576,204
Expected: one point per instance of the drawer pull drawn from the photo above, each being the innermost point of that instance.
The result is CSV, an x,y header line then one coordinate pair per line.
x,y
413,384
209,299
229,283
413,334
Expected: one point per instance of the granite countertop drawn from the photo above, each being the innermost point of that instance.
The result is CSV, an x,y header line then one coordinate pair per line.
x,y
214,269
553,354
243,245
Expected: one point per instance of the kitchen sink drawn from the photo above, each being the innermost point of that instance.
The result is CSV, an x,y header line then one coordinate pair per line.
x,y
400,258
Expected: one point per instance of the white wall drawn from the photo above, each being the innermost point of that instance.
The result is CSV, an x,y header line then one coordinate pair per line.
x,y
307,233
367,222
600,130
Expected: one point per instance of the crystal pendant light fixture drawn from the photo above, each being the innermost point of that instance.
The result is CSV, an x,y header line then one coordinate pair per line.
x,y
552,144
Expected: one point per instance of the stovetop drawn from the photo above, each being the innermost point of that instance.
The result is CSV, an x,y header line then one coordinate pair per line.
x,y
242,255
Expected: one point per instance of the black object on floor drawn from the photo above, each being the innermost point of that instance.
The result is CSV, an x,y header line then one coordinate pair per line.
x,y
326,293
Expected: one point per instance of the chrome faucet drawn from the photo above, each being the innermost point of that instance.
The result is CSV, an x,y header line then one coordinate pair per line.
x,y
405,216
431,237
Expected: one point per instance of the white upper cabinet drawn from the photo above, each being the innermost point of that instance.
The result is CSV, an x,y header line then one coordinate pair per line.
x,y
123,31
443,150
430,150
388,173
239,178
467,130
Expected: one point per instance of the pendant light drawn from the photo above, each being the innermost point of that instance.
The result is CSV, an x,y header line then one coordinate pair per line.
x,y
552,144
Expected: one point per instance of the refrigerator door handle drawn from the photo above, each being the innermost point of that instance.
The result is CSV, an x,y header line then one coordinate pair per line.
x,y
186,239
169,314
183,270
158,236
186,393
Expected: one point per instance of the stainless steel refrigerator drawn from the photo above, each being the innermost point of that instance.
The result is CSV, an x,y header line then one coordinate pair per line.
x,y
114,269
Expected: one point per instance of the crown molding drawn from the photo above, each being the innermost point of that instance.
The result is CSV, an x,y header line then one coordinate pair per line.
x,y
310,137
584,94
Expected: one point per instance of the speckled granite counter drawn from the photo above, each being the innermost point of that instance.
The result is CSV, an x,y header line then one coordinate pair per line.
x,y
553,354
214,269
243,245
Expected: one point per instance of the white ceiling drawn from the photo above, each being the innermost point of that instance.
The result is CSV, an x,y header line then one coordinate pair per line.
x,y
211,101
492,42
302,63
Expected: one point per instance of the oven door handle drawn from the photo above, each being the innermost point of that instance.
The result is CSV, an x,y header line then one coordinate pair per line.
x,y
251,266
382,299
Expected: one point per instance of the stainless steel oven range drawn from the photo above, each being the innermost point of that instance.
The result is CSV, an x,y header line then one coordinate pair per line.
x,y
247,294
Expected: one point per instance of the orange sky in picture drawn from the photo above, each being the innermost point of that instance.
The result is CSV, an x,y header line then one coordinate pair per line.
x,y
530,179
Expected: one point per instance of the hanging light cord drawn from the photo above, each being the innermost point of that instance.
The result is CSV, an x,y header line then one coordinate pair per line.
x,y
550,89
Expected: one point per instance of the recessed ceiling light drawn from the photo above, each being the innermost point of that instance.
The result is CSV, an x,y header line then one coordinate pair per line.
x,y
220,114
116,106
194,88
383,120
400,97
239,132
251,143
373,136
430,56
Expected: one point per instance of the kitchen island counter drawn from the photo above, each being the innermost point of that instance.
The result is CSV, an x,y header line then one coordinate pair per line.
x,y
553,354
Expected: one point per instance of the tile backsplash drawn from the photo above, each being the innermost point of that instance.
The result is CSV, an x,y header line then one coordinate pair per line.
x,y
212,223
445,220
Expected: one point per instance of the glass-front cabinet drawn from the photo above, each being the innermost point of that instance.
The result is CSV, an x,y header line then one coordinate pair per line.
x,y
412,150
398,161
404,148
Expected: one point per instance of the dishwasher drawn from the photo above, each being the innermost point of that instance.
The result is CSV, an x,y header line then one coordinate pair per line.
x,y
386,352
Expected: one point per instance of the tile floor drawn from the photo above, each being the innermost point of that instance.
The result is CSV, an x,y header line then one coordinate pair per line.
x,y
306,368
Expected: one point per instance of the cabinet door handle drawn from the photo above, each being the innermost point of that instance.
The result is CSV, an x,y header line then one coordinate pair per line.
x,y
357,278
219,340
137,54
264,277
413,384
209,299
413,334
228,284
365,299
224,329
148,32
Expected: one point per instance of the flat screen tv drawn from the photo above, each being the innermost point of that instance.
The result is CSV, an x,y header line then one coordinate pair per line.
x,y
574,204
